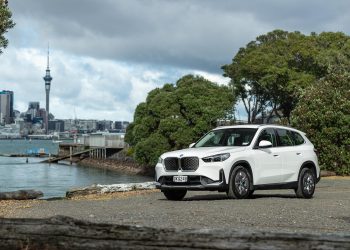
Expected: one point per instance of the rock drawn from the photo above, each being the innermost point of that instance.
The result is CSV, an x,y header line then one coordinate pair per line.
x,y
94,189
127,187
21,195
102,189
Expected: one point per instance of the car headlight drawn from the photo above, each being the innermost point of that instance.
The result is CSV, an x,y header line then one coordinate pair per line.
x,y
216,158
160,160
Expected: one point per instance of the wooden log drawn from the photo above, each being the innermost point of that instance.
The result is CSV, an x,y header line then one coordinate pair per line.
x,y
21,195
67,233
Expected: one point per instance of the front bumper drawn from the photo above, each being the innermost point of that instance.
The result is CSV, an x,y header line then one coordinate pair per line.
x,y
195,182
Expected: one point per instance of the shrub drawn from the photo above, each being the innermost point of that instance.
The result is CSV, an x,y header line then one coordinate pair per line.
x,y
323,113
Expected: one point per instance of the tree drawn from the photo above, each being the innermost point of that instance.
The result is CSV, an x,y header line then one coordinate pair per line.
x,y
270,73
176,115
6,23
323,113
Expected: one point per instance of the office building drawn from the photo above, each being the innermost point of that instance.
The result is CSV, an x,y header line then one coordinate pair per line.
x,y
6,107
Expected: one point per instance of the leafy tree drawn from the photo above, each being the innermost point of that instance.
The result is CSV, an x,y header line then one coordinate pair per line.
x,y
176,115
6,23
324,114
270,73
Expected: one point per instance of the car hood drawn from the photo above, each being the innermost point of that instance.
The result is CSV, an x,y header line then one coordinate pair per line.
x,y
202,152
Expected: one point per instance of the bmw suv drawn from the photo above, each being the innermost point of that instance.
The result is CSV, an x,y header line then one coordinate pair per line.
x,y
240,159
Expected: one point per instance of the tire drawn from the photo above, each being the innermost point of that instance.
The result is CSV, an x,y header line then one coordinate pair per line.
x,y
174,195
239,184
306,184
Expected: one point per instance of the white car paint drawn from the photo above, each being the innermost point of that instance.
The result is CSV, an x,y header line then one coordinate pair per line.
x,y
280,164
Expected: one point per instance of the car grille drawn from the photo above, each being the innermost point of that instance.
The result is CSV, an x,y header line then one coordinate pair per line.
x,y
171,163
189,163
186,163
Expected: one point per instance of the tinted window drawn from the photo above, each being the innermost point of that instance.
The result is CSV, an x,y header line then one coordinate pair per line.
x,y
227,137
267,135
285,137
297,138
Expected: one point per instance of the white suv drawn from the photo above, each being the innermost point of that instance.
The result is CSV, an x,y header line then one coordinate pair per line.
x,y
240,159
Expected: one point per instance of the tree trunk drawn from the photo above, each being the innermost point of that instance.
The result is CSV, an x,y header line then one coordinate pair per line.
x,y
66,233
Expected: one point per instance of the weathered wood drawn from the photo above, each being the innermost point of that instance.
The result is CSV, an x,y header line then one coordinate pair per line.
x,y
21,195
64,157
67,233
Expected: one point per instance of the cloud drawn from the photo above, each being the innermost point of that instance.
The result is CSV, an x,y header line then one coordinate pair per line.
x,y
107,55
85,87
185,34
196,34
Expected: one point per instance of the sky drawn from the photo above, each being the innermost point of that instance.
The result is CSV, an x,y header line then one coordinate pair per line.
x,y
106,55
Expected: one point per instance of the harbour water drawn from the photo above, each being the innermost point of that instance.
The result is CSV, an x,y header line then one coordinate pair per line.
x,y
52,179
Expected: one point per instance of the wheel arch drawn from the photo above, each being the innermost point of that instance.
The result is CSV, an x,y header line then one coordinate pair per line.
x,y
310,165
244,164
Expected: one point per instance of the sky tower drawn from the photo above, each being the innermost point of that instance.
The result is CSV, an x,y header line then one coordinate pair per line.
x,y
47,79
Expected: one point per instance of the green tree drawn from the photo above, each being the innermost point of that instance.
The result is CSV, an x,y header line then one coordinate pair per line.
x,y
176,115
270,73
6,23
324,114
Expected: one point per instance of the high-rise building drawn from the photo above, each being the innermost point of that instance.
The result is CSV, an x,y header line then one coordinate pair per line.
x,y
6,107
47,78
32,111
34,105
121,126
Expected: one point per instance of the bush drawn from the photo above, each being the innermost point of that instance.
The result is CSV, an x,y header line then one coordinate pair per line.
x,y
148,150
176,115
324,114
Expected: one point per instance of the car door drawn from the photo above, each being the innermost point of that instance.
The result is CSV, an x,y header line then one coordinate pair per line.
x,y
291,154
268,161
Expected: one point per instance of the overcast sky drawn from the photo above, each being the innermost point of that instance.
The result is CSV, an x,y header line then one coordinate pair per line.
x,y
106,55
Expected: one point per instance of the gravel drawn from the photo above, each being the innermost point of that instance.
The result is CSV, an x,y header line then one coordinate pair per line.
x,y
274,211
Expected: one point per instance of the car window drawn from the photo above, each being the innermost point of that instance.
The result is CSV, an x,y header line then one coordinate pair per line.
x,y
297,138
227,137
268,135
285,137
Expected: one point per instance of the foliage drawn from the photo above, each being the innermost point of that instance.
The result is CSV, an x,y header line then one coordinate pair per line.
x,y
270,73
176,115
324,114
6,23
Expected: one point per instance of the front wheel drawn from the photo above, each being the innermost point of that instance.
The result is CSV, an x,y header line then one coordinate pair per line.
x,y
174,195
306,184
239,184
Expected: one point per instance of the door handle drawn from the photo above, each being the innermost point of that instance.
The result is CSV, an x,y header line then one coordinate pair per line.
x,y
298,153
275,155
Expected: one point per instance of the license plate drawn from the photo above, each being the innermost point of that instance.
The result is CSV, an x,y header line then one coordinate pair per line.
x,y
180,178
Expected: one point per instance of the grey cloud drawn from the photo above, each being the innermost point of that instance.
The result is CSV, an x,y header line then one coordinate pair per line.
x,y
202,34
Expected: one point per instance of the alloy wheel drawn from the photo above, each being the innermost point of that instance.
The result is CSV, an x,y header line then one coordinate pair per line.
x,y
242,183
308,183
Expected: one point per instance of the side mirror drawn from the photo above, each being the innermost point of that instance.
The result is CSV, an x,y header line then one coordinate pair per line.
x,y
265,144
191,145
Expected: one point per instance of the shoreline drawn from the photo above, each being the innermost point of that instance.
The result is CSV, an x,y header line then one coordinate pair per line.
x,y
118,165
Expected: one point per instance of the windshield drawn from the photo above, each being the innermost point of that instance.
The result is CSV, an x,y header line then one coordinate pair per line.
x,y
227,138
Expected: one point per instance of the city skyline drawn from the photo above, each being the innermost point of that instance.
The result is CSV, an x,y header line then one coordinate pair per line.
x,y
104,66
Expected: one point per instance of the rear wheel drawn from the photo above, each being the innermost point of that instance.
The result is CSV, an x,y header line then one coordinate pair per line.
x,y
174,195
240,184
306,184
